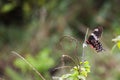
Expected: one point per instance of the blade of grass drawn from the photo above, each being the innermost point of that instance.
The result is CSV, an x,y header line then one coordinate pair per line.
x,y
29,64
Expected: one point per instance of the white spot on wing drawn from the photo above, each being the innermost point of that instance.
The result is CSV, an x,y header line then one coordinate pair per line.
x,y
94,36
96,30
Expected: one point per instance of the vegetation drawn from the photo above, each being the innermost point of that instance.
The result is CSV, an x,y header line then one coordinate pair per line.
x,y
33,29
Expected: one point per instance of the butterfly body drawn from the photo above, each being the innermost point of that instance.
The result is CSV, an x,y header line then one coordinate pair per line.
x,y
93,39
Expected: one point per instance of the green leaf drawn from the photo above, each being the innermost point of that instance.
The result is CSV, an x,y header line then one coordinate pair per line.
x,y
20,64
118,44
12,74
7,7
81,77
117,39
84,73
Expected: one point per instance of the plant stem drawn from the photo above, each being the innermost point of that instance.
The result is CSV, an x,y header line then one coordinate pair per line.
x,y
29,64
84,45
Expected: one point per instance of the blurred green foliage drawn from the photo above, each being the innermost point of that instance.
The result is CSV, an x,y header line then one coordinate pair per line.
x,y
78,72
31,26
117,43
42,62
7,7
12,74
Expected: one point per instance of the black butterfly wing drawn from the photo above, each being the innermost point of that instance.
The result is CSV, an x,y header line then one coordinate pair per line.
x,y
93,39
98,31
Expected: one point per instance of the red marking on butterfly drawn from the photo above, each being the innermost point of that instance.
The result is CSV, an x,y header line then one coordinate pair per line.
x,y
93,39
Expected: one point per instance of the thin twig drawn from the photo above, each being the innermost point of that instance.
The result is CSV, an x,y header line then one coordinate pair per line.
x,y
62,67
76,44
72,38
67,56
29,64
84,45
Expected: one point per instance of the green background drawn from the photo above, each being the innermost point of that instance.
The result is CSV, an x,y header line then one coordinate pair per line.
x,y
33,28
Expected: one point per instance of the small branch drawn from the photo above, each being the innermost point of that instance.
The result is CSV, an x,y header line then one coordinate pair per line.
x,y
67,56
76,44
84,45
63,67
72,38
29,64
56,78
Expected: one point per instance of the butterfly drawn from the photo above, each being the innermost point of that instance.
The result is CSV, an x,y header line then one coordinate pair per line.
x,y
93,39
